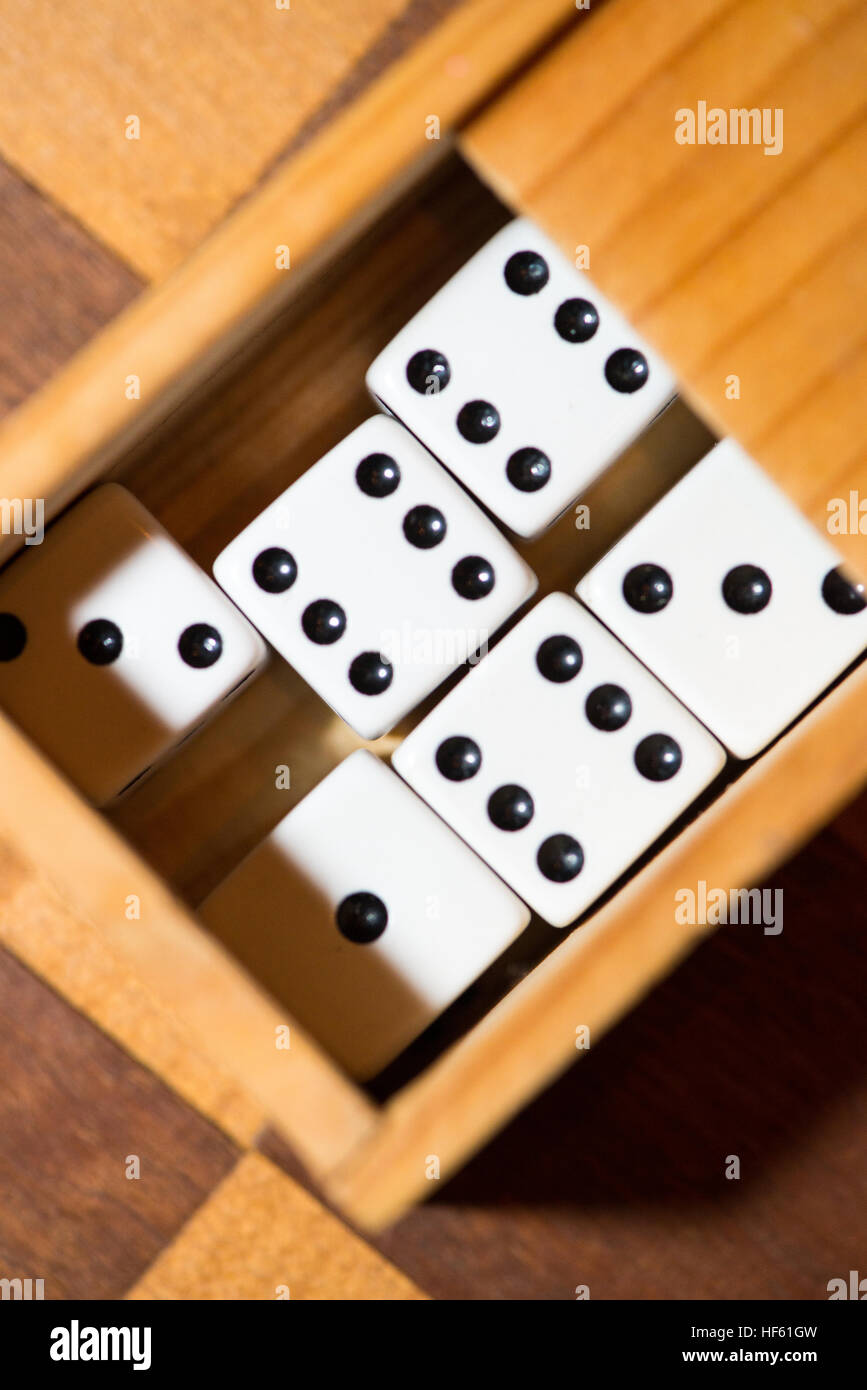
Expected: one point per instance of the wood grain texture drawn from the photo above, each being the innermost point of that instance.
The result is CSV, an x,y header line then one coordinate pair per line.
x,y
261,1236
57,443
62,945
58,286
414,21
615,1177
218,89
61,844
174,336
562,98
604,967
731,262
207,472
233,448
73,1107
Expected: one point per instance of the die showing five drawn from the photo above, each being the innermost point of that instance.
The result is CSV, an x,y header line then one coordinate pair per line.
x,y
560,758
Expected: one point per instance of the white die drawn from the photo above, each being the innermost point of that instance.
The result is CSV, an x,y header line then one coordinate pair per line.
x,y
348,548
361,842
108,568
747,675
550,393
526,756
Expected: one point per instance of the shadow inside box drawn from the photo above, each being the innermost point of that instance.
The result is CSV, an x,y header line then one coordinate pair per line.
x,y
737,1053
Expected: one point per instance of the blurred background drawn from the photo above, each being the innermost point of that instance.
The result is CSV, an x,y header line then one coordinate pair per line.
x,y
128,131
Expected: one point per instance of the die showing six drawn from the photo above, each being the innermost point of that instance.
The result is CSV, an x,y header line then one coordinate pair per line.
x,y
521,378
559,759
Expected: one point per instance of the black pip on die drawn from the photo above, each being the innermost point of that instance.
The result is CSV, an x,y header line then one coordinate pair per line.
x,y
374,575
559,759
367,912
522,378
733,599
114,645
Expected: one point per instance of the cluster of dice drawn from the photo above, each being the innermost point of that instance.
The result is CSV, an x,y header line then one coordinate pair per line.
x,y
562,754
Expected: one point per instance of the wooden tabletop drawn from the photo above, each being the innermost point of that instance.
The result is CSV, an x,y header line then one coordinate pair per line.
x,y
616,1177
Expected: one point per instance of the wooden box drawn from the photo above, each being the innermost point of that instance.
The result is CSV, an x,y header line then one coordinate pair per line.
x,y
250,368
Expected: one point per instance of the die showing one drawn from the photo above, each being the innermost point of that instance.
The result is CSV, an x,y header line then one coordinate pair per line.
x,y
114,644
522,378
374,575
733,599
559,759
366,914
